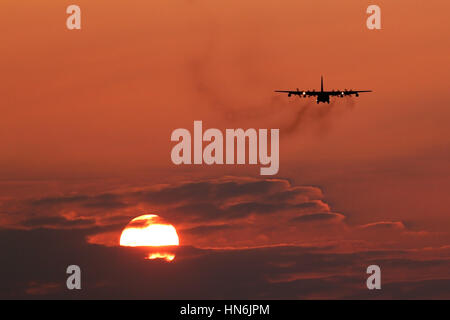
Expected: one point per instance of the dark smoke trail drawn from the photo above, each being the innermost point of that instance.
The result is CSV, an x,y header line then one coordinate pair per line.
x,y
275,111
309,113
298,119
324,110
350,103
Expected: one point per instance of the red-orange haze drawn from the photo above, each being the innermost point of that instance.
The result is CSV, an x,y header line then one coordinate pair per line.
x,y
85,126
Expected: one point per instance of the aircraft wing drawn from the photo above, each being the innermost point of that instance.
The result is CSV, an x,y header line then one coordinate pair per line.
x,y
306,93
346,92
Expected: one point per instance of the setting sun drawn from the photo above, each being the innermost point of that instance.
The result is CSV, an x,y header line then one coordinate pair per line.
x,y
149,230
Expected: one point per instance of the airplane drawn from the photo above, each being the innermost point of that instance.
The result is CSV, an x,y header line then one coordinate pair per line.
x,y
323,96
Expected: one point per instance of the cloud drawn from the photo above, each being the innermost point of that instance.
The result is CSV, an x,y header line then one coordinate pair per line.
x,y
430,289
105,201
189,205
209,229
319,217
384,225
242,238
41,289
276,272
58,222
210,213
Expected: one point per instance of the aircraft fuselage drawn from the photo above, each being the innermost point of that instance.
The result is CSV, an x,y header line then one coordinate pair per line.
x,y
323,97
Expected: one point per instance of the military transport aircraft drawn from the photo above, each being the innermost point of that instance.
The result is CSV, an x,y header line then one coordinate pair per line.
x,y
323,96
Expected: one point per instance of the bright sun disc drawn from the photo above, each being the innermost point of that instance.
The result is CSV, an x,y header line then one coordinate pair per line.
x,y
149,231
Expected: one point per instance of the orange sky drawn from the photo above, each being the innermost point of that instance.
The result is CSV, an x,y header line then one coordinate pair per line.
x,y
103,101
99,105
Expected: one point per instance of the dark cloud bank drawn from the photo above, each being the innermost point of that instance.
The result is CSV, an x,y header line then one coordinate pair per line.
x,y
242,238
